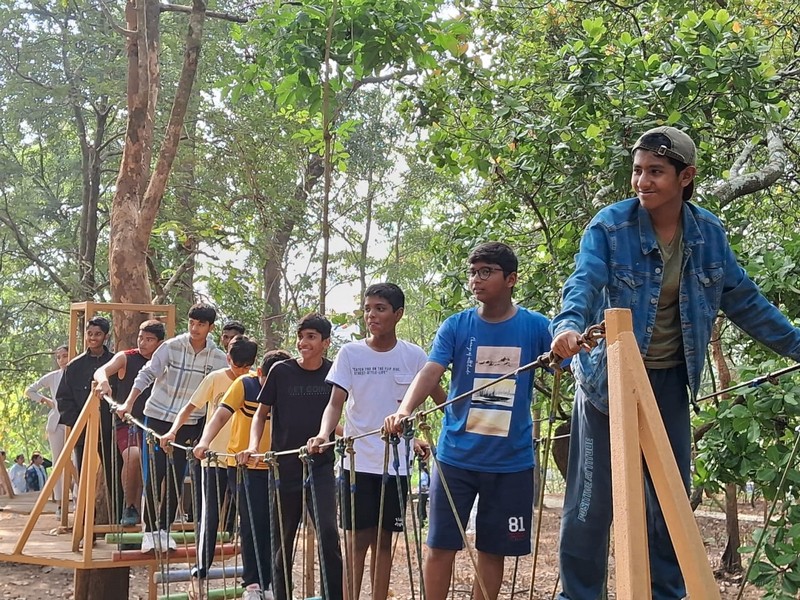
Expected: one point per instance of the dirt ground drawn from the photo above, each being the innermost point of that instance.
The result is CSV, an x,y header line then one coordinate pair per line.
x,y
28,582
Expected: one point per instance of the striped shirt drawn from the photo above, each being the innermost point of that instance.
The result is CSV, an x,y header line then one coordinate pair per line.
x,y
175,371
240,399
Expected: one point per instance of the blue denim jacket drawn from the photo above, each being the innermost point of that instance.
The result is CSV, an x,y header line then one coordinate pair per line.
x,y
619,266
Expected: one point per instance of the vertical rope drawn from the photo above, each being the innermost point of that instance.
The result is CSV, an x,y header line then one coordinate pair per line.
x,y
426,430
245,476
276,485
352,491
315,509
545,459
155,509
349,559
395,441
384,482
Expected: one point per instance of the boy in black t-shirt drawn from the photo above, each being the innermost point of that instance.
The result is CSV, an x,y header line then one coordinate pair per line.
x,y
295,395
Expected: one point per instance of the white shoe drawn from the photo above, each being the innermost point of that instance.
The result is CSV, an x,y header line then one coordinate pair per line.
x,y
167,543
268,593
148,541
253,595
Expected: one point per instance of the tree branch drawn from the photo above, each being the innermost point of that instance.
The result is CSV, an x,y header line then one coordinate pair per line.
x,y
34,258
599,199
741,161
169,146
113,22
176,276
166,7
747,183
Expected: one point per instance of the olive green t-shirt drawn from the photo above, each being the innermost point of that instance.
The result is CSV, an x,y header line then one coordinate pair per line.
x,y
665,350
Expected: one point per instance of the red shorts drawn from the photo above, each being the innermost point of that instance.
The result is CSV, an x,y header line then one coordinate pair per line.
x,y
128,436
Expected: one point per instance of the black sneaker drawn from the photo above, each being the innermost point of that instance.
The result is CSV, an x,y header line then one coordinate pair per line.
x,y
130,516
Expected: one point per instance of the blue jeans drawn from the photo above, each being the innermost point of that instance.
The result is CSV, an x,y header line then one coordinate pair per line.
x,y
587,516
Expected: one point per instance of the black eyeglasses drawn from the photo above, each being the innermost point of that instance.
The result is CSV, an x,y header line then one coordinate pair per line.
x,y
483,273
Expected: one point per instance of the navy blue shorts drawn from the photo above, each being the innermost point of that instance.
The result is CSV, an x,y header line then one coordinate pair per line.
x,y
505,510
367,495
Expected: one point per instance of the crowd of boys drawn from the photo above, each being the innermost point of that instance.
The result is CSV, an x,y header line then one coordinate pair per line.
x,y
658,254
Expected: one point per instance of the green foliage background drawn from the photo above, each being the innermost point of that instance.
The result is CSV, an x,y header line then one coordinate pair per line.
x,y
451,123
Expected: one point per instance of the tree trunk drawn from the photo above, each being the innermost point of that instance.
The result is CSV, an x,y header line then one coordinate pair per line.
x,y
128,239
91,164
99,584
102,584
137,199
362,264
272,270
187,247
731,559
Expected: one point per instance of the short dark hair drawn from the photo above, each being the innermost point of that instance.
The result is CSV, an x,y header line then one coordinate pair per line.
x,y
155,327
495,253
100,322
272,357
243,351
203,313
317,322
235,326
18,456
389,292
36,455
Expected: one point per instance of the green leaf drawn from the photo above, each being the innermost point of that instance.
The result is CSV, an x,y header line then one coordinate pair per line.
x,y
674,117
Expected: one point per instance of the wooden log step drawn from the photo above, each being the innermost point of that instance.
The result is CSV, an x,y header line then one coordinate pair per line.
x,y
180,553
212,594
179,536
181,575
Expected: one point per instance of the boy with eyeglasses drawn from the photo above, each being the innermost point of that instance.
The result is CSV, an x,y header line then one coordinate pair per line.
x,y
486,444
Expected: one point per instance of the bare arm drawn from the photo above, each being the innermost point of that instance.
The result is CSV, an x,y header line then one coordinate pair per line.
x,y
182,417
330,419
112,367
129,402
213,426
439,395
256,431
424,385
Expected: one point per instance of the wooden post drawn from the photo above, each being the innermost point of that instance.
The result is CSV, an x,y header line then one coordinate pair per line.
x,y
670,489
629,386
60,467
630,531
308,546
5,480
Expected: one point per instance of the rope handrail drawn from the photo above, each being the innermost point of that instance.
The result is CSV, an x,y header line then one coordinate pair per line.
x,y
548,360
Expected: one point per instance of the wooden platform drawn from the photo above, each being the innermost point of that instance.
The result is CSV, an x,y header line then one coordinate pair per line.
x,y
47,547
22,504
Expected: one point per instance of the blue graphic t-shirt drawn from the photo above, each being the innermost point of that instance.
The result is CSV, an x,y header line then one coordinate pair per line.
x,y
492,430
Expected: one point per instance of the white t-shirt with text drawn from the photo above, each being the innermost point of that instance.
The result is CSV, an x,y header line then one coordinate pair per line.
x,y
375,383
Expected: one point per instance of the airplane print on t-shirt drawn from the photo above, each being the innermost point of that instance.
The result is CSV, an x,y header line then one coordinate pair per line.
x,y
490,409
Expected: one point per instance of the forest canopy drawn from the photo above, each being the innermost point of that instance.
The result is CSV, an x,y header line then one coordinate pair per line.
x,y
270,157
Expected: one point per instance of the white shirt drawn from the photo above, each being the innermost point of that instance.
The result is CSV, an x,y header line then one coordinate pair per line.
x,y
376,383
17,475
47,382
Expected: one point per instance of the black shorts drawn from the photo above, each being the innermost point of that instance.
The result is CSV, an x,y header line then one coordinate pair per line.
x,y
367,496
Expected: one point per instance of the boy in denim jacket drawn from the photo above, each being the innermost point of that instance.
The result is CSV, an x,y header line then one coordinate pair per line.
x,y
670,262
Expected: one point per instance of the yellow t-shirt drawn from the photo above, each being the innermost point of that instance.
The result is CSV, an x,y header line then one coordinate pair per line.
x,y
240,399
209,394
